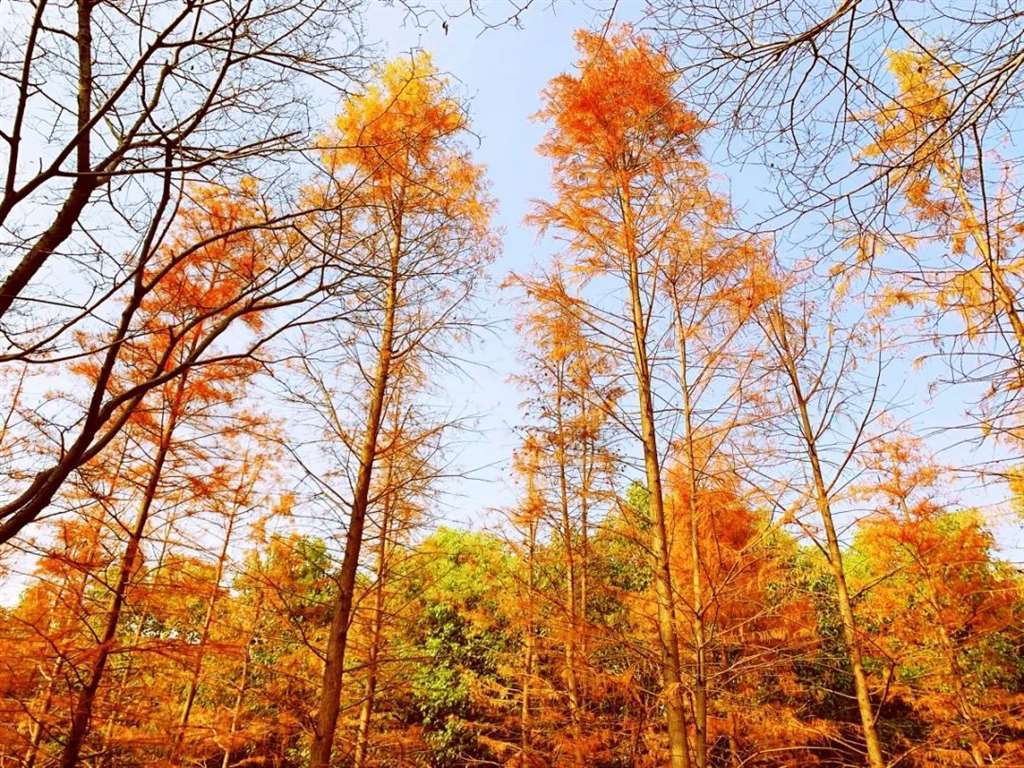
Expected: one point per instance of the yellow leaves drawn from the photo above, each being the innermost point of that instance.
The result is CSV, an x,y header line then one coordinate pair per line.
x,y
914,121
894,296
397,149
248,186
912,139
285,504
866,245
968,294
923,76
395,132
1015,481
941,191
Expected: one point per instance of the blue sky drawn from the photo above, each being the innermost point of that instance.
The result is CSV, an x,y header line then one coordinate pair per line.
x,y
501,73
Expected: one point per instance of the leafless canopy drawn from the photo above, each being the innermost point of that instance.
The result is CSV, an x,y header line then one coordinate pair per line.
x,y
794,84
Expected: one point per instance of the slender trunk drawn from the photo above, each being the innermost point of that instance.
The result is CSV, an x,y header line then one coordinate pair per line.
x,y
671,668
126,672
586,466
735,758
243,683
369,693
976,744
525,722
572,681
204,637
38,728
835,558
700,706
376,636
86,698
330,694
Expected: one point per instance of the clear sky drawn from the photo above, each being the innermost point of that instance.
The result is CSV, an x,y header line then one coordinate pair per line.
x,y
501,72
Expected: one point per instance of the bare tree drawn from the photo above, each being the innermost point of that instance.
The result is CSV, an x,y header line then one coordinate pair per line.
x,y
825,412
109,101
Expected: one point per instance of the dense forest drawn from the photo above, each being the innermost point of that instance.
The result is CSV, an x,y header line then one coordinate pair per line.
x,y
768,485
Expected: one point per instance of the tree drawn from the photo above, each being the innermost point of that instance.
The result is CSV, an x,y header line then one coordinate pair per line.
x,y
462,633
204,399
821,393
49,621
223,80
231,505
422,228
937,599
279,284
627,176
410,466
948,199
569,409
713,284
527,517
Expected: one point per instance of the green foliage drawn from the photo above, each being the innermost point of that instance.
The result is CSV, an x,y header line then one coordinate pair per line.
x,y
463,633
638,502
621,561
827,669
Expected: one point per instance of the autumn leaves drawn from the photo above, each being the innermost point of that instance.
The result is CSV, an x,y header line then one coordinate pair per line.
x,y
668,340
679,582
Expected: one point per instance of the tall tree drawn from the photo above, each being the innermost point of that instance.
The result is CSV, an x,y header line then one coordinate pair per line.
x,y
205,400
527,518
627,176
937,600
422,230
236,496
821,395
713,282
410,464
569,404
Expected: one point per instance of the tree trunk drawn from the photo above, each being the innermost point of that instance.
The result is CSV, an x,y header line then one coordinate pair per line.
x,y
376,636
86,698
243,683
671,669
700,705
197,667
126,672
976,744
37,729
525,721
330,694
586,467
572,681
835,558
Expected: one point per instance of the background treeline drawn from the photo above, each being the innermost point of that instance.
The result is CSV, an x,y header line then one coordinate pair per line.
x,y
458,650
